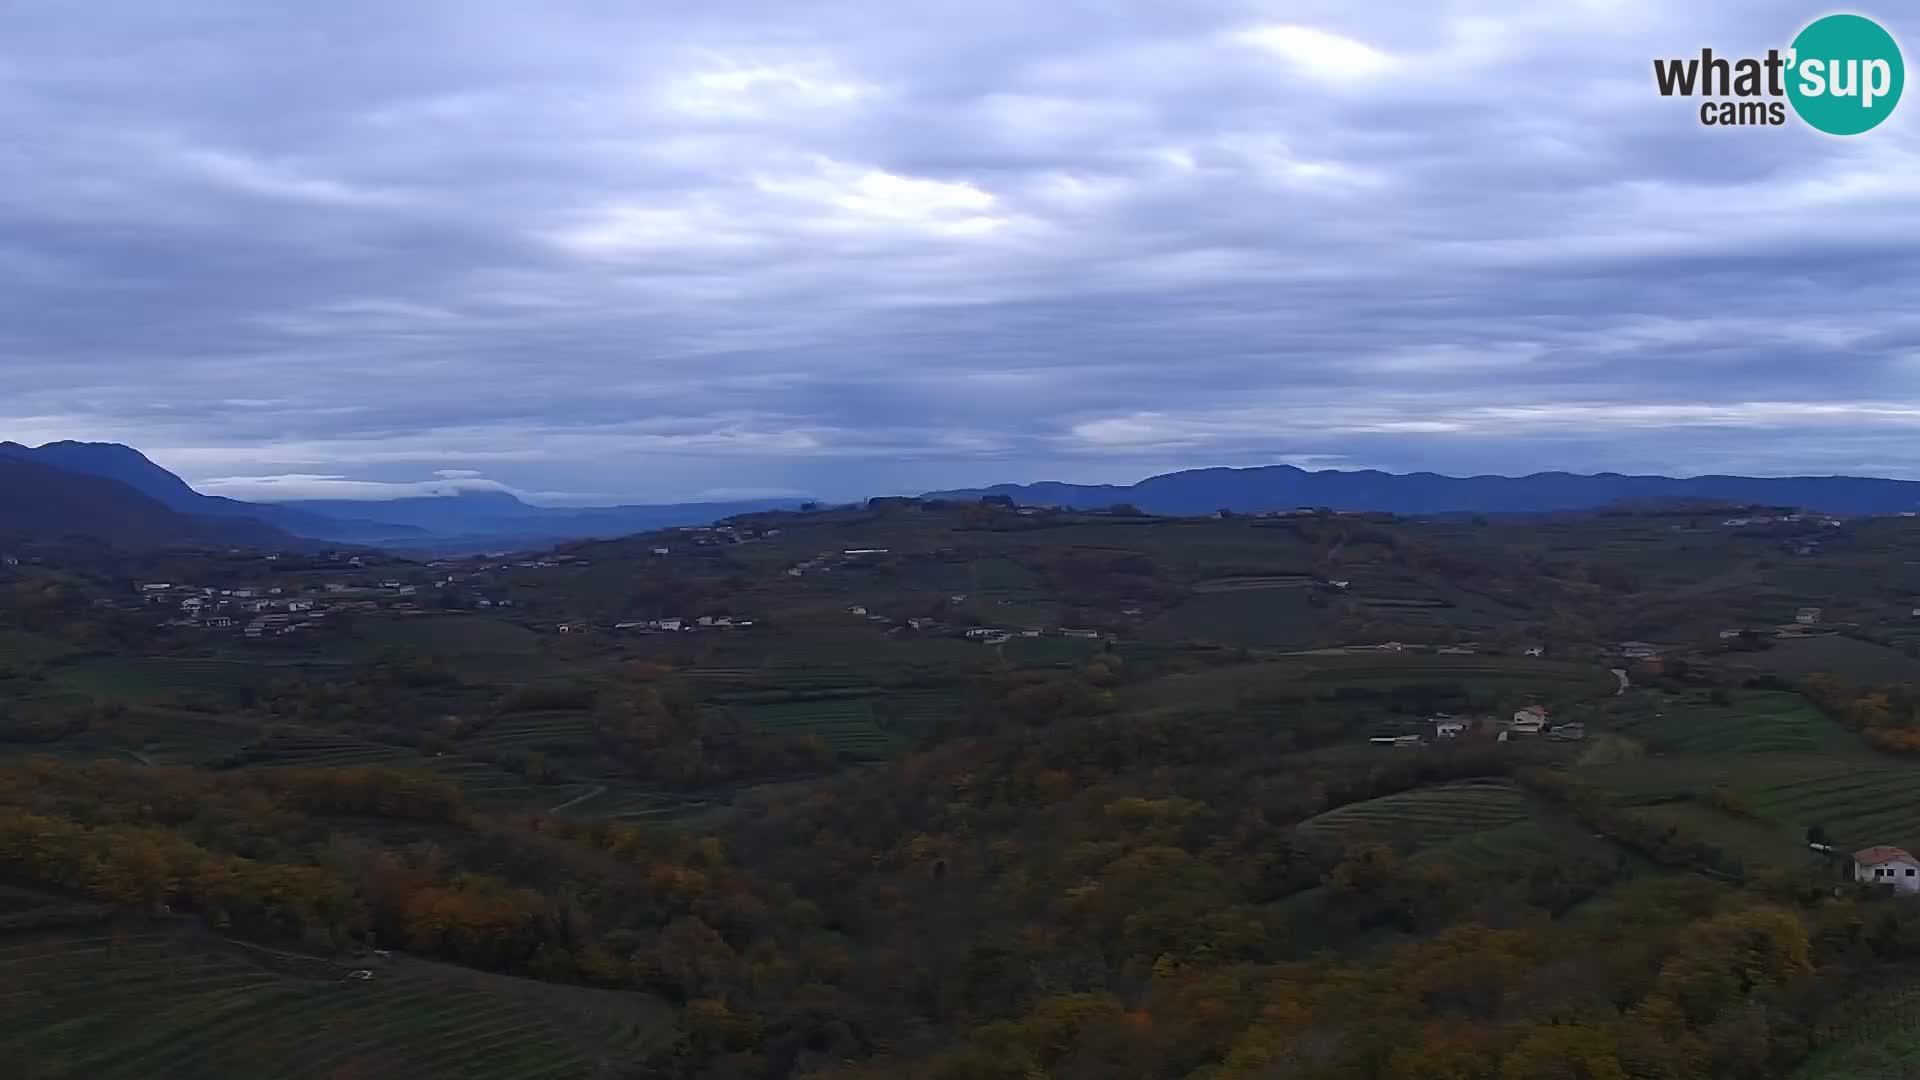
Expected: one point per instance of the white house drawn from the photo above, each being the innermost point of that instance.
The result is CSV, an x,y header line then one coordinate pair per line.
x,y
1536,650
1448,729
1529,721
1883,865
1807,615
856,610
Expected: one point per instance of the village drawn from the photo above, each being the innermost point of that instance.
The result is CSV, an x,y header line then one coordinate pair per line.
x,y
1528,720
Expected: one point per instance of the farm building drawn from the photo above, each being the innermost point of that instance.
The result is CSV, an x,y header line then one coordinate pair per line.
x,y
1637,650
1883,865
1449,729
1574,731
1529,721
1807,615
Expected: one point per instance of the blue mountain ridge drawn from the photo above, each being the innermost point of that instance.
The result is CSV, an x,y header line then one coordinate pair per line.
x,y
1283,487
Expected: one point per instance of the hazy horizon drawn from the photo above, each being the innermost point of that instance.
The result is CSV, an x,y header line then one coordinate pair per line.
x,y
598,253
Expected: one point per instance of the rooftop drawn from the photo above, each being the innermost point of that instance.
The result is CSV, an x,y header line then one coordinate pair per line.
x,y
1881,853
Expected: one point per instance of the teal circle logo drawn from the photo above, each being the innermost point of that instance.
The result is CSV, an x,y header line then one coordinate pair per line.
x,y
1845,74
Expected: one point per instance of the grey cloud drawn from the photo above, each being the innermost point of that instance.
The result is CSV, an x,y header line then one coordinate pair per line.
x,y
841,248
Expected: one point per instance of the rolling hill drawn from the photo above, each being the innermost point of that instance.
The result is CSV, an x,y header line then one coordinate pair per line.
x,y
1282,487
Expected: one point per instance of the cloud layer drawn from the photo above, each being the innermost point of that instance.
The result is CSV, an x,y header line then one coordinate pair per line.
x,y
641,253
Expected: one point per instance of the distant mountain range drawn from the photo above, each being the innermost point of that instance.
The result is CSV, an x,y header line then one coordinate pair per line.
x,y
116,493
1284,487
46,501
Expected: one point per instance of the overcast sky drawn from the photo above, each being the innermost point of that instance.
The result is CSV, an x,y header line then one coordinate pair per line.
x,y
603,250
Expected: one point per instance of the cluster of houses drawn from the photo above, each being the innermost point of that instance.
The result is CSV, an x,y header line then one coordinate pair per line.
x,y
276,611
827,560
986,635
1807,622
260,612
1527,720
1464,648
993,635
1770,519
675,625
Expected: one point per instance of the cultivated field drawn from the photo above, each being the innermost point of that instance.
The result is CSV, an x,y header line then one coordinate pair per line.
x,y
139,1004
1752,722
1859,800
1427,816
846,725
448,635
1848,658
1880,1041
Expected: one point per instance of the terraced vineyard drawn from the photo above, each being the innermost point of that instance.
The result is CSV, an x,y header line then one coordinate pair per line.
x,y
1753,723
450,635
307,747
1544,836
914,713
484,783
616,802
1427,816
1860,800
146,1004
139,677
846,724
547,732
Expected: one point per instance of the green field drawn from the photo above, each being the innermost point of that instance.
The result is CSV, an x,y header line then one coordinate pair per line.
x,y
485,784
1543,836
1001,575
19,649
1879,1040
141,1004
1766,842
1427,816
847,725
448,635
1848,658
1859,800
133,678
551,733
1753,722
1274,617
1493,679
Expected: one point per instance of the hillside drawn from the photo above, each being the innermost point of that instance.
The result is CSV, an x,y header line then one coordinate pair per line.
x,y
126,465
941,790
39,500
1284,487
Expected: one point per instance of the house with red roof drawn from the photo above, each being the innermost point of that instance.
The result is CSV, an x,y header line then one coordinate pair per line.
x,y
1885,865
